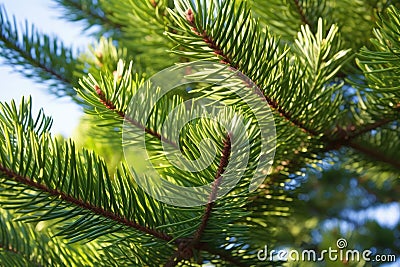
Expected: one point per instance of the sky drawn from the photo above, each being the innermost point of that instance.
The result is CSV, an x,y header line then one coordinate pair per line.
x,y
46,17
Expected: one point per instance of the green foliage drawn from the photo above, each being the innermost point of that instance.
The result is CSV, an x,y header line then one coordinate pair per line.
x,y
35,245
39,56
355,18
381,64
333,94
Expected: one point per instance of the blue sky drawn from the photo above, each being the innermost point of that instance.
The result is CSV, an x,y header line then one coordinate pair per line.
x,y
46,17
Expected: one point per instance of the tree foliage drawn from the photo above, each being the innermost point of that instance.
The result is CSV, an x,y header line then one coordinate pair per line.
x,y
328,70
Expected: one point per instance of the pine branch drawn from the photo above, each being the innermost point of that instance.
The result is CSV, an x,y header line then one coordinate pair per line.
x,y
62,177
218,177
11,257
352,132
348,139
24,244
113,100
91,11
300,10
111,106
50,59
203,26
375,154
298,87
25,165
337,144
9,248
226,59
363,129
286,115
16,254
344,138
80,203
34,62
143,31
186,246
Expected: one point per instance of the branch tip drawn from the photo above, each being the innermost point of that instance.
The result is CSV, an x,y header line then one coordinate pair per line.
x,y
190,16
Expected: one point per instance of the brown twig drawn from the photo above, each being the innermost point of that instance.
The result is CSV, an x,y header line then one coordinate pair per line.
x,y
330,144
187,245
111,106
300,10
213,196
375,154
84,205
228,61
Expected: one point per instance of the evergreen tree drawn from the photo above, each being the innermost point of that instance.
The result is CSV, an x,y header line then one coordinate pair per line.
x,y
328,72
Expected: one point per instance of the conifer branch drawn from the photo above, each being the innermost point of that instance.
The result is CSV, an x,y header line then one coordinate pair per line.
x,y
153,3
352,132
84,205
330,144
47,55
14,251
370,127
285,114
209,40
347,139
300,10
186,246
219,51
33,61
111,106
375,154
89,13
221,168
45,180
9,249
